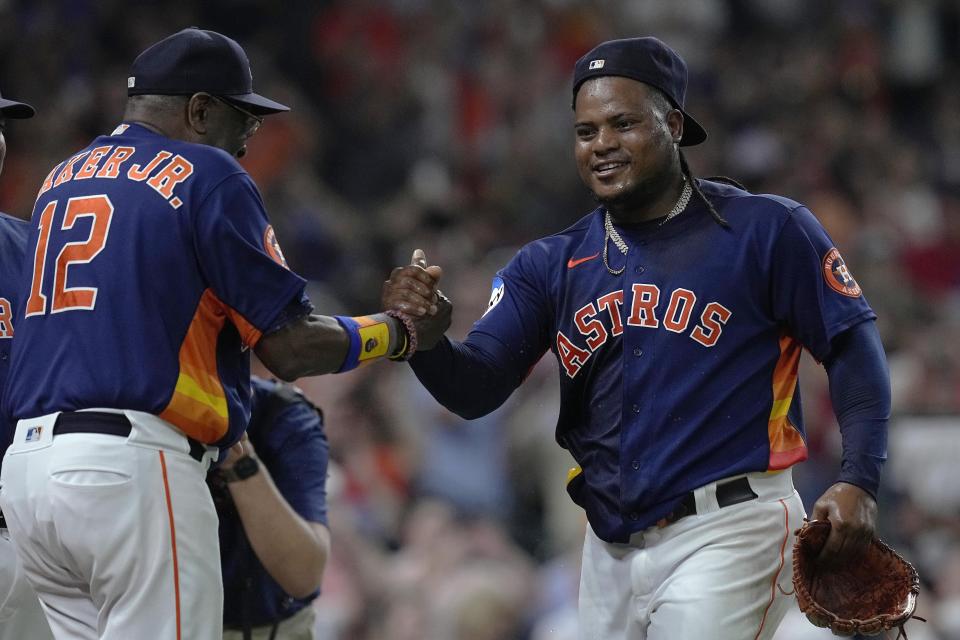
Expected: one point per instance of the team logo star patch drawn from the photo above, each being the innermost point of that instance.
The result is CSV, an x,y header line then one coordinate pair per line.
x,y
272,247
838,276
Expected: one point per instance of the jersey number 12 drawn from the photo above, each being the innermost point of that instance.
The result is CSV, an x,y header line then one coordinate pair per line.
x,y
65,298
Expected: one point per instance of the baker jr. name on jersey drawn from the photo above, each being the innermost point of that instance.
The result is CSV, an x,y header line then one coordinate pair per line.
x,y
599,320
163,172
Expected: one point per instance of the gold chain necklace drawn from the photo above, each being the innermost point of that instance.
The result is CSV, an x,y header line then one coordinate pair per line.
x,y
611,233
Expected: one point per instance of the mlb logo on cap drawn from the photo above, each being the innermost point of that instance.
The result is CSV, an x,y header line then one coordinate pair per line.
x,y
646,60
33,434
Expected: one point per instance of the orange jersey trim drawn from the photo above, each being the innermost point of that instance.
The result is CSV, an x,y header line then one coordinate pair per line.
x,y
248,333
198,405
786,444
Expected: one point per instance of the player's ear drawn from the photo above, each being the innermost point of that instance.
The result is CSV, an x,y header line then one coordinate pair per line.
x,y
675,123
198,113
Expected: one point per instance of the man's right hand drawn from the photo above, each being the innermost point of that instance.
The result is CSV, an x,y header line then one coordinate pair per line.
x,y
241,448
412,283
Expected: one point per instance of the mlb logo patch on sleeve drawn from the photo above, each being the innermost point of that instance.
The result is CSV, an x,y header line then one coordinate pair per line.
x,y
496,295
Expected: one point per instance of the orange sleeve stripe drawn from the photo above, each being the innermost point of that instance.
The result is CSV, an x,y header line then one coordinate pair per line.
x,y
780,460
785,372
786,444
198,405
198,351
194,419
248,333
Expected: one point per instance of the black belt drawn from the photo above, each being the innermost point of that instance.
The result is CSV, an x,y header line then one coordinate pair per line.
x,y
111,424
3,521
728,493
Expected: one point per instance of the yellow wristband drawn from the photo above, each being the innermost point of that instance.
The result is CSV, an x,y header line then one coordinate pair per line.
x,y
374,338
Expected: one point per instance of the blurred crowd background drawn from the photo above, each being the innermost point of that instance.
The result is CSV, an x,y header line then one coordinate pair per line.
x,y
447,125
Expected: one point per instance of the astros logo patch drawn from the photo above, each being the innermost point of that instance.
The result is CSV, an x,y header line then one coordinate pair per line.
x,y
272,247
838,276
496,295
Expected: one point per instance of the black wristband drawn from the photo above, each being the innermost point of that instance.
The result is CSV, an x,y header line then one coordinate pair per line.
x,y
245,467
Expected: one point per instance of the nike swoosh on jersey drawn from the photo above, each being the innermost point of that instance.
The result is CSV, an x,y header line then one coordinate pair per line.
x,y
571,263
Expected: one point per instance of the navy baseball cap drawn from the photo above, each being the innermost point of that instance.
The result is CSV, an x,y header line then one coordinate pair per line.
x,y
647,60
196,60
12,109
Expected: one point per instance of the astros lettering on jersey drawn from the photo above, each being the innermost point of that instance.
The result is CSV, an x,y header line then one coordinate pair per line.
x,y
689,358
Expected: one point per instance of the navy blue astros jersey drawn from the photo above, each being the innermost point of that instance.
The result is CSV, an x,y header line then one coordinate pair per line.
x,y
682,369
151,270
13,240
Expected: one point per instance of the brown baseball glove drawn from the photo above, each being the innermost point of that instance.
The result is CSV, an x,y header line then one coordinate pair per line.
x,y
869,596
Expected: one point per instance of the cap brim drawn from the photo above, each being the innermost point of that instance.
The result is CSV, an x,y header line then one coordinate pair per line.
x,y
257,104
17,110
693,133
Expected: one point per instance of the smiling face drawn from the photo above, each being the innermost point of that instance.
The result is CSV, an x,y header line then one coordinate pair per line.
x,y
626,145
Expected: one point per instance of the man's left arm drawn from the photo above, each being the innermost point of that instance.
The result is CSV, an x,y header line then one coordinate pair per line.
x,y
292,548
860,392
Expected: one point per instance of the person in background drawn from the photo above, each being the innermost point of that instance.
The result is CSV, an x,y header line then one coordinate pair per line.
x,y
270,494
20,613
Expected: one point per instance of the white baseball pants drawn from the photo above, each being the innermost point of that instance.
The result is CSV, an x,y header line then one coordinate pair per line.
x,y
723,574
21,617
118,536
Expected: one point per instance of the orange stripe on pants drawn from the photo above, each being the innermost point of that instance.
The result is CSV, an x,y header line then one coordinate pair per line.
x,y
776,576
173,541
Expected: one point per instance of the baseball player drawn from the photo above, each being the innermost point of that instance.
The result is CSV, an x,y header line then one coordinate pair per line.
x,y
272,506
152,270
677,311
20,612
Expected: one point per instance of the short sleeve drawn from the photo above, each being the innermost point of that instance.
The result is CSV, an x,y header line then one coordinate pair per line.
x,y
813,289
242,261
515,325
300,456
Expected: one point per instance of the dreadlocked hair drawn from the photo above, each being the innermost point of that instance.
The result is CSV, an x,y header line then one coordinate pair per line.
x,y
720,220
